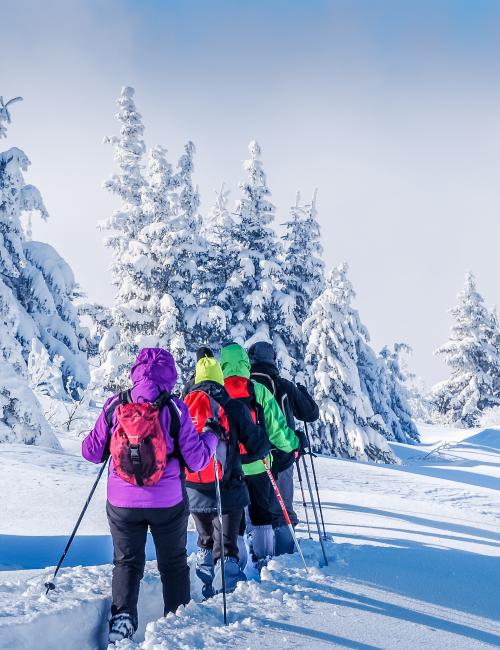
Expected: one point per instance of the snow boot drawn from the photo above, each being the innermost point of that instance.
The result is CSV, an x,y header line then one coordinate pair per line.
x,y
283,541
262,544
121,627
233,575
205,571
242,553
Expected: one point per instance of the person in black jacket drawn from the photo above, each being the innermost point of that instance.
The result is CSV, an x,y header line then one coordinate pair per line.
x,y
296,403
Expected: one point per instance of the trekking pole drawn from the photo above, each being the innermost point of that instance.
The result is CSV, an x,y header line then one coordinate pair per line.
x,y
299,474
315,480
314,510
51,585
285,511
222,555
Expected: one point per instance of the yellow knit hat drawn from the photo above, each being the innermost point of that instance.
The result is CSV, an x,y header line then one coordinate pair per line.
x,y
208,369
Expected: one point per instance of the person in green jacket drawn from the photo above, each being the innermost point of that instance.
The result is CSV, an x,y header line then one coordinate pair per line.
x,y
266,412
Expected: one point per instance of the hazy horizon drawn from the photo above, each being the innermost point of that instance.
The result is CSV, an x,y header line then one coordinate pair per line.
x,y
392,110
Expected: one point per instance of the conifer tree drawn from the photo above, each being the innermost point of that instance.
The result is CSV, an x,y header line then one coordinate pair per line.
x,y
21,417
345,427
131,260
303,273
470,352
399,417
264,311
41,282
161,201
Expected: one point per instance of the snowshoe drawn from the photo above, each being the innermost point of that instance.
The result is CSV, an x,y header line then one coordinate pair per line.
x,y
242,553
121,627
262,562
205,571
232,572
283,541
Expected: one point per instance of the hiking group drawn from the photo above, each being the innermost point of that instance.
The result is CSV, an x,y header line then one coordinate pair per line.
x,y
213,453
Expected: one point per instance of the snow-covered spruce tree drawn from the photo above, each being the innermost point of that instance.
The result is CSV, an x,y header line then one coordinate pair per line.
x,y
263,310
473,358
390,398
40,280
161,203
345,426
382,379
131,265
21,417
192,286
303,273
221,261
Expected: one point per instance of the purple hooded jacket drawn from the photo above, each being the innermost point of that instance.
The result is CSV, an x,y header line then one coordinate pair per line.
x,y
153,372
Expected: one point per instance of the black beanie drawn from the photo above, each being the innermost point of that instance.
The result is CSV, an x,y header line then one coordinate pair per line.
x,y
203,351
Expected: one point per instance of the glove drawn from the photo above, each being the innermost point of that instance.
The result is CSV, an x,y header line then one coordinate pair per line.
x,y
303,444
214,427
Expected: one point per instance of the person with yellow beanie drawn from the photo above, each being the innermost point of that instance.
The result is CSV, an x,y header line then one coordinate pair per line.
x,y
210,405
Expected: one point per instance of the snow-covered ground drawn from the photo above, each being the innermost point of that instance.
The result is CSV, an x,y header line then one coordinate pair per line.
x,y
414,561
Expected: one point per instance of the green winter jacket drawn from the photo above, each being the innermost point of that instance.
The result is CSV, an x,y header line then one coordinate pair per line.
x,y
236,368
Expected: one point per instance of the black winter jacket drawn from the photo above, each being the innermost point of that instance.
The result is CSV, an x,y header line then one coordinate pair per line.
x,y
296,403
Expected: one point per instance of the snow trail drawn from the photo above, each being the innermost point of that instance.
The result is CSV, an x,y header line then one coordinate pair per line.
x,y
415,563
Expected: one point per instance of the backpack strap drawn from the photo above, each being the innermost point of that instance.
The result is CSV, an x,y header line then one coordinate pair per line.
x,y
268,377
124,397
175,429
257,407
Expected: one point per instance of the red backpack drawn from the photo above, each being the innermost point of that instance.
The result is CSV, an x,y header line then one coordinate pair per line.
x,y
202,407
138,446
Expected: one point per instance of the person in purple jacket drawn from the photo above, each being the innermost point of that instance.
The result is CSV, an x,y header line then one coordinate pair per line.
x,y
162,507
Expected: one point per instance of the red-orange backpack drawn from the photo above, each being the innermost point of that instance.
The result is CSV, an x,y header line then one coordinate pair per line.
x,y
138,446
204,408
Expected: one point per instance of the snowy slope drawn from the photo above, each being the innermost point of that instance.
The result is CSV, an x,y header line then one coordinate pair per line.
x,y
414,564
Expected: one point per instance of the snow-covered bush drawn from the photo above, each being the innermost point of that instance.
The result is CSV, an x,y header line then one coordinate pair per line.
x,y
346,426
474,359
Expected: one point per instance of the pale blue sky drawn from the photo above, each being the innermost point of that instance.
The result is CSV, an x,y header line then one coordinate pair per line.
x,y
392,109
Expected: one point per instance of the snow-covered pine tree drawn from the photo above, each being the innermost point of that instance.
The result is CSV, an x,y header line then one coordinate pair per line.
x,y
304,274
395,408
21,417
202,319
382,379
345,427
474,361
161,203
221,260
131,259
264,311
40,280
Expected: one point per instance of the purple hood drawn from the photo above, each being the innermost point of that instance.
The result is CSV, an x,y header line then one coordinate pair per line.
x,y
153,372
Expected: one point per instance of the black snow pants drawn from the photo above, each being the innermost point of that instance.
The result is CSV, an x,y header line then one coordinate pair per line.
x,y
129,527
261,499
208,529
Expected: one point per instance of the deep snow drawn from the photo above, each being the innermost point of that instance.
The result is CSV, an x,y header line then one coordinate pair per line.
x,y
414,563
